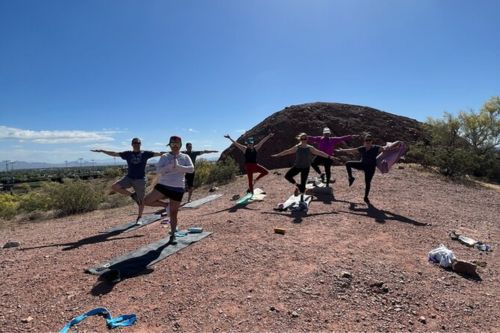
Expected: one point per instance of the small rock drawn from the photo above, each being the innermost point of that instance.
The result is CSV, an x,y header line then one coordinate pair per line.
x,y
346,274
295,314
422,320
10,244
27,320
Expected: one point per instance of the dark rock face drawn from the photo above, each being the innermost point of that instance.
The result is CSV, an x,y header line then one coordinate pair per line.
x,y
342,119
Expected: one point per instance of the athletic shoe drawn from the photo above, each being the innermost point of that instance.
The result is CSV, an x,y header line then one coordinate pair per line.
x,y
351,180
139,221
134,197
172,240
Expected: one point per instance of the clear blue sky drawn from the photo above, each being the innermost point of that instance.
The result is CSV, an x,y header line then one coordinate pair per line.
x,y
77,75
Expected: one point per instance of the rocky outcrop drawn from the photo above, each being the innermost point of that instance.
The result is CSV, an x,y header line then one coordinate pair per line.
x,y
342,119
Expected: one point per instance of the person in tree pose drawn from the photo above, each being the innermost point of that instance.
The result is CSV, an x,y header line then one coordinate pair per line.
x,y
190,176
251,165
303,155
136,175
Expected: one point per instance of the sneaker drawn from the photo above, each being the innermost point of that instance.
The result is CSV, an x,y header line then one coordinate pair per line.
x,y
134,197
351,180
139,221
172,240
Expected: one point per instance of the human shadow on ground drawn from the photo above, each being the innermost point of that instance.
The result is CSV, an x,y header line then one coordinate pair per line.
x,y
299,216
232,209
381,216
126,269
85,241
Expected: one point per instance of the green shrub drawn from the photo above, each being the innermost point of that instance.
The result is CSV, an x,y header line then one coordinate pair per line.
x,y
75,197
35,201
223,172
113,172
8,206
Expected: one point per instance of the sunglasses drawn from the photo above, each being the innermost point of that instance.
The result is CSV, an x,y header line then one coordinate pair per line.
x,y
136,143
368,140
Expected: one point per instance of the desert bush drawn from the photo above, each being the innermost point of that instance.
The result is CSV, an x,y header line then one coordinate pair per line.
x,y
35,201
75,197
215,173
113,172
8,206
223,172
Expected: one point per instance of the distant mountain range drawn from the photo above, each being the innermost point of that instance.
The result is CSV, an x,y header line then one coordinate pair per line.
x,y
22,165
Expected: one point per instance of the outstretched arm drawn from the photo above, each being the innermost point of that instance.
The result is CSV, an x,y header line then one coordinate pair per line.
x,y
286,152
156,154
320,153
340,150
257,146
209,151
238,145
107,152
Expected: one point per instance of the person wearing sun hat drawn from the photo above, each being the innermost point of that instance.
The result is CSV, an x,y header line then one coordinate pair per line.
x,y
303,155
136,174
251,165
171,169
326,144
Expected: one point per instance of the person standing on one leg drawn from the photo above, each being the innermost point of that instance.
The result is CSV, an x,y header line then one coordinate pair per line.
x,y
190,176
326,144
368,163
136,175
303,155
251,166
171,169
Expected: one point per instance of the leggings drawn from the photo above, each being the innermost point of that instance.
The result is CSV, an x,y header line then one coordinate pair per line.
x,y
251,168
368,169
320,160
304,172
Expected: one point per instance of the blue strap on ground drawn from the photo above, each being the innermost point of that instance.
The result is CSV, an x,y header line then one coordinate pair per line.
x,y
120,321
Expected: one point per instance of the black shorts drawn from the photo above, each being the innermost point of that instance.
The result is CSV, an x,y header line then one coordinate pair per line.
x,y
189,179
169,192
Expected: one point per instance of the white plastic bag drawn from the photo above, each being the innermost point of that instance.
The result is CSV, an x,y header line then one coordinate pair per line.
x,y
442,255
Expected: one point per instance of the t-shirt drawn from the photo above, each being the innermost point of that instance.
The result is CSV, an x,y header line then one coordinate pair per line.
x,y
136,162
369,157
193,155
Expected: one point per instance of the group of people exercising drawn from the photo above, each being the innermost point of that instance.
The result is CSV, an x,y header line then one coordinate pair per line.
x,y
175,169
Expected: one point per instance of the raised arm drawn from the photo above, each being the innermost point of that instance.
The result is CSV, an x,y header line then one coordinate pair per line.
x,y
238,145
286,152
107,152
257,146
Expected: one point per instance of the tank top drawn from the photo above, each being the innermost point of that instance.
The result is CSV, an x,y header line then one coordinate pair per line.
x,y
250,155
303,157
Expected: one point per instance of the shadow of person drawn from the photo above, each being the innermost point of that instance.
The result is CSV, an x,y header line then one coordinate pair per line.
x,y
107,281
126,269
85,241
381,216
297,216
231,209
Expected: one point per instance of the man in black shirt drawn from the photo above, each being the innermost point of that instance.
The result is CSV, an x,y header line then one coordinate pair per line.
x,y
190,176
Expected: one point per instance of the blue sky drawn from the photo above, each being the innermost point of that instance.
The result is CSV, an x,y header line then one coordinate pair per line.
x,y
77,75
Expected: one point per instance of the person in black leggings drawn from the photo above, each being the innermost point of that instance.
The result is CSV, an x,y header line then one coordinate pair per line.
x,y
368,162
303,155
